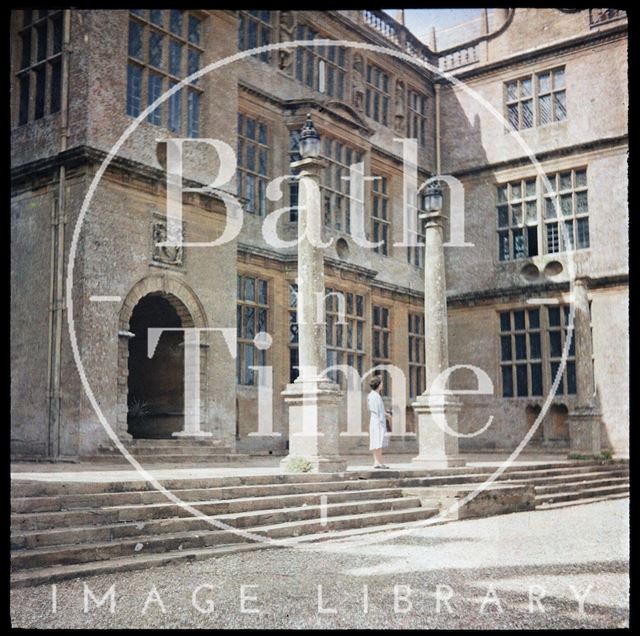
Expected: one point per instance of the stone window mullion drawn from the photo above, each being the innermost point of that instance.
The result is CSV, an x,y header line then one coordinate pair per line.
x,y
381,215
341,349
249,312
333,188
381,338
35,95
416,354
179,106
521,370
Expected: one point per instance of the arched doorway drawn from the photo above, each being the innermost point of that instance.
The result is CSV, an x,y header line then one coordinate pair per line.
x,y
559,416
532,412
155,395
159,300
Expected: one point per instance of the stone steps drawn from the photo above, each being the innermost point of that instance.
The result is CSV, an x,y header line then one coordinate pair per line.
x,y
75,496
163,509
149,451
584,494
250,519
30,502
38,488
581,502
56,573
67,527
580,485
168,451
67,554
195,457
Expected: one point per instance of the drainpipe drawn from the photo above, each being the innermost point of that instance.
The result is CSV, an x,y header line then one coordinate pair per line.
x,y
59,220
437,89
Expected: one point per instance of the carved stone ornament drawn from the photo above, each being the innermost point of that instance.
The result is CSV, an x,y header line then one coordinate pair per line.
x,y
287,28
170,255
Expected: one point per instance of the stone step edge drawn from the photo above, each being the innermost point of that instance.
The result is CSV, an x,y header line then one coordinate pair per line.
x,y
382,483
225,518
53,574
608,481
389,492
382,513
582,501
37,576
195,533
247,480
577,481
218,482
583,493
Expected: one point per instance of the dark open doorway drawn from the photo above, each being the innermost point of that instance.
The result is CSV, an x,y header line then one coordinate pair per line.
x,y
155,398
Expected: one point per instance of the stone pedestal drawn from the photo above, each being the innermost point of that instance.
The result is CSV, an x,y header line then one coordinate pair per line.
x,y
314,429
584,431
584,419
437,448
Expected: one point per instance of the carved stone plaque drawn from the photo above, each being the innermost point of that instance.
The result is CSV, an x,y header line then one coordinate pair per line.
x,y
168,254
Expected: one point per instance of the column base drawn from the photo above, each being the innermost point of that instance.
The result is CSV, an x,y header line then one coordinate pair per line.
x,y
437,425
314,430
584,431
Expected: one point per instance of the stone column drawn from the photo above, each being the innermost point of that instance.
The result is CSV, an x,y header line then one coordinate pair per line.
x,y
584,419
435,412
192,410
312,399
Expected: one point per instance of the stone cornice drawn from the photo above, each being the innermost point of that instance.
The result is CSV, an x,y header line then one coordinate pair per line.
x,y
596,144
506,294
327,106
453,300
79,156
581,41
292,258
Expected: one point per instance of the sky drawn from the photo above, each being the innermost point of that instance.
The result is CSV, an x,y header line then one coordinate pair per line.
x,y
420,21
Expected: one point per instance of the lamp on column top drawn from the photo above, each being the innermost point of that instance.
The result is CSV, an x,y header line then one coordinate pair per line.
x,y
433,197
309,140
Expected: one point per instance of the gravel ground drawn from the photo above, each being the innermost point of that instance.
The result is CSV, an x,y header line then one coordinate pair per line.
x,y
491,566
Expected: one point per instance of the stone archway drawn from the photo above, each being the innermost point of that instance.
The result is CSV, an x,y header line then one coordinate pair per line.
x,y
150,405
559,424
532,412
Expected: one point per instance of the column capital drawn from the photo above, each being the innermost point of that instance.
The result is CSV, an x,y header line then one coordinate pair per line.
x,y
584,280
309,167
433,219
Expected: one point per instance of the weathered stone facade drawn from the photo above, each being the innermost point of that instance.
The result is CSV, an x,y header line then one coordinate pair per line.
x,y
55,158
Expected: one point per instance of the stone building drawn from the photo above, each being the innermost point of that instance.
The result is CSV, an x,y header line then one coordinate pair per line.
x,y
89,207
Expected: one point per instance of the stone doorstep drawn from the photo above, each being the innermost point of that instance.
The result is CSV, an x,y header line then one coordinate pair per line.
x,y
493,500
157,459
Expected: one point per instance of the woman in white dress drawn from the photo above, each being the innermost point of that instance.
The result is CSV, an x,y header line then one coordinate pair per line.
x,y
377,421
